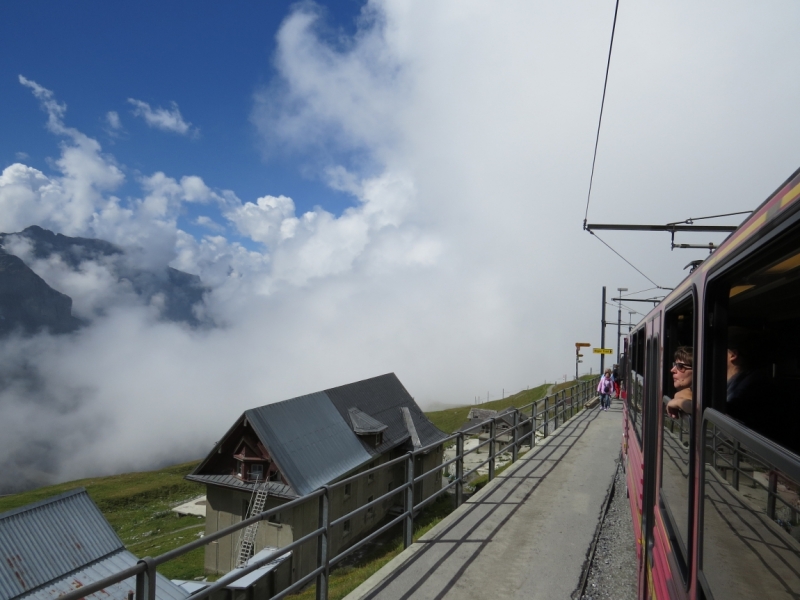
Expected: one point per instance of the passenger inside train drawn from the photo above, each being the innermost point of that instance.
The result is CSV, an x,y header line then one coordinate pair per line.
x,y
682,377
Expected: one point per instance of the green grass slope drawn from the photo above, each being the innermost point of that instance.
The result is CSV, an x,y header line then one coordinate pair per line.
x,y
451,419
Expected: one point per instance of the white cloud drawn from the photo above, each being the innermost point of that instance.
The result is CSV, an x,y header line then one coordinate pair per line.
x,y
163,118
464,133
113,121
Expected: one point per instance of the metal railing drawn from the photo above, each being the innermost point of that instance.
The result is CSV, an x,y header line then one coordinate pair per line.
x,y
731,446
546,415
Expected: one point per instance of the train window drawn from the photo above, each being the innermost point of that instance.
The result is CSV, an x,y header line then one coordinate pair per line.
x,y
677,426
751,498
633,381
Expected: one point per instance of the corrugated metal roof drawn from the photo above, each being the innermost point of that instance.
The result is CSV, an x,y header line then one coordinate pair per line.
x,y
310,441
363,423
274,488
165,589
45,540
381,397
59,544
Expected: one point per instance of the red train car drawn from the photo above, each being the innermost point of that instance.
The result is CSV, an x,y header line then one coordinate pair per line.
x,y
714,480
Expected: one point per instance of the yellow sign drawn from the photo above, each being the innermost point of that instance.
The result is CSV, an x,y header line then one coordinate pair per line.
x,y
602,350
582,344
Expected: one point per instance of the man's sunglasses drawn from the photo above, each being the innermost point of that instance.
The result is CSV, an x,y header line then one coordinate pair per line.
x,y
681,366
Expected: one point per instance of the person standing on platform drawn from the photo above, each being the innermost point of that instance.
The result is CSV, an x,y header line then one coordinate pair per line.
x,y
604,388
615,380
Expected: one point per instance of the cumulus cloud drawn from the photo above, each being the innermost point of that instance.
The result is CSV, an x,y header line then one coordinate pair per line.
x,y
464,134
164,119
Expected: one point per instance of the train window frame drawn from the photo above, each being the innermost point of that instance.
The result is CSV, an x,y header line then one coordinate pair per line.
x,y
683,548
634,387
757,256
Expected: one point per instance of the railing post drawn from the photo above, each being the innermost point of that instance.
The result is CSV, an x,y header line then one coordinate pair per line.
x,y
408,505
322,545
772,491
492,447
714,447
146,581
735,465
546,416
555,412
459,469
515,438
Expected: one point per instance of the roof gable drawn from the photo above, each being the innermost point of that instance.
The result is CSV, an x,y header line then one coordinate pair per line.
x,y
362,423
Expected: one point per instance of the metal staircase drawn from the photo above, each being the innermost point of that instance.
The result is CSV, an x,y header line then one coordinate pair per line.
x,y
248,536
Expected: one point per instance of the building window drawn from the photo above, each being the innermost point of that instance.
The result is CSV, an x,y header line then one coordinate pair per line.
x,y
240,469
275,519
371,510
346,527
257,472
346,491
371,476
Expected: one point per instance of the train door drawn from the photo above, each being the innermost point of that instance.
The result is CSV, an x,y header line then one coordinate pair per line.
x,y
650,417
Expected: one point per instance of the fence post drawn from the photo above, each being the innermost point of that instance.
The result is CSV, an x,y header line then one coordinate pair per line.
x,y
146,581
714,447
322,545
408,505
515,438
546,416
735,465
771,493
459,469
555,412
492,447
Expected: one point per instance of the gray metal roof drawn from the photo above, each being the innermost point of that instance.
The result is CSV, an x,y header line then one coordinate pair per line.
x,y
165,589
273,487
311,443
381,397
363,423
53,546
311,438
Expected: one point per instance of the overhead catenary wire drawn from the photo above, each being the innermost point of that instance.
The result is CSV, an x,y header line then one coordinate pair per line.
x,y
635,268
691,220
600,120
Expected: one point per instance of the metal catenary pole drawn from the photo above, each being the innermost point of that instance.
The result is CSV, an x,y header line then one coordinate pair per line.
x,y
603,334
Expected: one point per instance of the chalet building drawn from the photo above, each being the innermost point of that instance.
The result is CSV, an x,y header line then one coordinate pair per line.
x,y
292,448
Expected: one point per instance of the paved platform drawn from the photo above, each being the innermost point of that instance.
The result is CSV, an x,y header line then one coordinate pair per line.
x,y
526,534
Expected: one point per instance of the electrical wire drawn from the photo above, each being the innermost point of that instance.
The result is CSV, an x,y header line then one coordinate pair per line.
x,y
626,260
600,120
693,219
640,291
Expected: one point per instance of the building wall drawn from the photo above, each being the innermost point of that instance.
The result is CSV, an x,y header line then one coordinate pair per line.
x,y
226,506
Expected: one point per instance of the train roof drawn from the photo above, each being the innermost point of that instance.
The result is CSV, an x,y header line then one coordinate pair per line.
x,y
776,209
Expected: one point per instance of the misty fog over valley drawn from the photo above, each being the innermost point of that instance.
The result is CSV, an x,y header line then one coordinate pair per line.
x,y
320,193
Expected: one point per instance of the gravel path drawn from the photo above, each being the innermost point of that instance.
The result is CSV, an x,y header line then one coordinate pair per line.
x,y
612,574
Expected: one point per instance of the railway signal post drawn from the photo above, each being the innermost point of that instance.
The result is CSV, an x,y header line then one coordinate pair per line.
x,y
578,355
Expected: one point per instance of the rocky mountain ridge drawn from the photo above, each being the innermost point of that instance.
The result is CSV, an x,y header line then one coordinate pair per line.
x,y
29,304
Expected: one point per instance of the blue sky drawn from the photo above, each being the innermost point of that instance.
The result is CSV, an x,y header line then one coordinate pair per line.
x,y
209,58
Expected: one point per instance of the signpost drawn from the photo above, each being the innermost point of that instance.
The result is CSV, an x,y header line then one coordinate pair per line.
x,y
603,350
578,355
